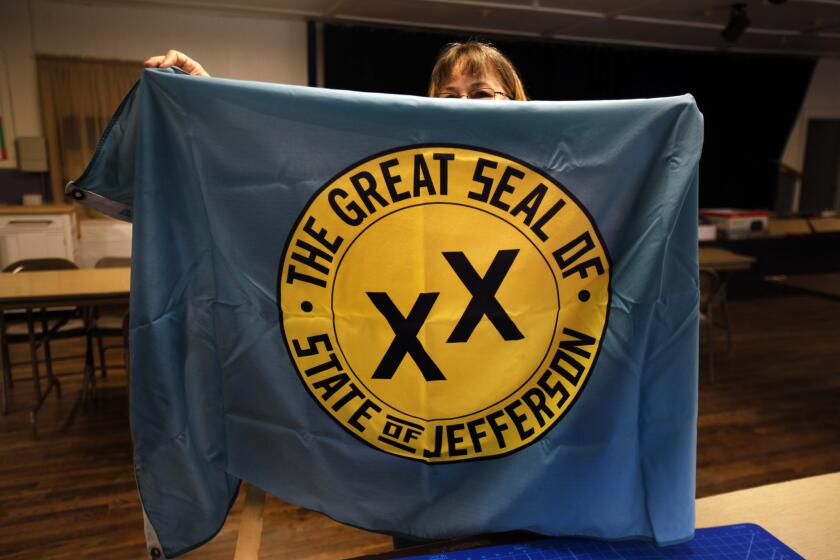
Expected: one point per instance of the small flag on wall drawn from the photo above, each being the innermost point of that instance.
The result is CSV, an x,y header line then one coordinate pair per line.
x,y
4,154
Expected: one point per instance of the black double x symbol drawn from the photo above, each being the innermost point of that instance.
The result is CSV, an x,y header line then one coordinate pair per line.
x,y
405,336
483,291
483,303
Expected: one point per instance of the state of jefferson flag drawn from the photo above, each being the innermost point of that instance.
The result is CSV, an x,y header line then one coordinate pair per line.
x,y
424,317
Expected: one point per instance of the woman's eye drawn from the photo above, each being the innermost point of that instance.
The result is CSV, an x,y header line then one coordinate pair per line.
x,y
481,94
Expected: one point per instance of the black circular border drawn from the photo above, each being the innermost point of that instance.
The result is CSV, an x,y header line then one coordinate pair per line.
x,y
383,153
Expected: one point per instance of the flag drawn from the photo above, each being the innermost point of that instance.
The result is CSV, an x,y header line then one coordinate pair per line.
x,y
425,317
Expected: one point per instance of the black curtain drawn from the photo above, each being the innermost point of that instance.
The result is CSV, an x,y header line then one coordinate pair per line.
x,y
749,101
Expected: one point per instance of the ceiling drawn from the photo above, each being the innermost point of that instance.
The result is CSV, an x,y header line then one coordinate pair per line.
x,y
801,27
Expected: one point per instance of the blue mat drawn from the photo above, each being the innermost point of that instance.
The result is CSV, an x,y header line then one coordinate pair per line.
x,y
733,542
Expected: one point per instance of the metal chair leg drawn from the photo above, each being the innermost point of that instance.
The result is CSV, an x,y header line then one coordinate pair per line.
x,y
36,374
101,348
7,366
6,381
7,361
724,310
33,354
88,391
710,341
48,354
90,365
5,389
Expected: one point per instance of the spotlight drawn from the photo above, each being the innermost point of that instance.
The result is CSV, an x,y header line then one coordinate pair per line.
x,y
738,22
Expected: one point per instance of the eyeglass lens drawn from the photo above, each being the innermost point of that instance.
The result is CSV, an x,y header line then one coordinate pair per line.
x,y
478,93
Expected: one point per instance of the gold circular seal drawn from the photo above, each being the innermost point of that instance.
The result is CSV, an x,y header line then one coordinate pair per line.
x,y
444,303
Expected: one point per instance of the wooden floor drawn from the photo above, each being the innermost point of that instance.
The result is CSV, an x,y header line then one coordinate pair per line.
x,y
772,414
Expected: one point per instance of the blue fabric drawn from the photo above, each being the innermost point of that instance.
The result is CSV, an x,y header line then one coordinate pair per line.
x,y
217,174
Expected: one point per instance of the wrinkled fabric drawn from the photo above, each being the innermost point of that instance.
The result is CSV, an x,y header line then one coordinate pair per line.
x,y
215,174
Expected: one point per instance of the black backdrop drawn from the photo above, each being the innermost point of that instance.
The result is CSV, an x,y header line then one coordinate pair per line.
x,y
749,102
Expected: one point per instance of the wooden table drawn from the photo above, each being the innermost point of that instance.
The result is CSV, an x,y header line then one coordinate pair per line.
x,y
723,259
788,226
64,287
825,225
804,514
36,209
58,288
826,285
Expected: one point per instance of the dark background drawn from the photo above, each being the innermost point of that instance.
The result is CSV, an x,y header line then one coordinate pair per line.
x,y
749,102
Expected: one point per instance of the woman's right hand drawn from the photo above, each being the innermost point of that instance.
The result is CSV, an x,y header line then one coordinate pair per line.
x,y
179,59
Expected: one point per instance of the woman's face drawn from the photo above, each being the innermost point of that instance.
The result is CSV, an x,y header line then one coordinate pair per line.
x,y
465,86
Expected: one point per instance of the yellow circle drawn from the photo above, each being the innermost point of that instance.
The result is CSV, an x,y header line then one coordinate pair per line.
x,y
474,372
444,303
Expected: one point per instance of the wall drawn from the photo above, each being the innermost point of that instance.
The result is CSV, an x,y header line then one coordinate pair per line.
x,y
821,101
231,46
19,94
261,48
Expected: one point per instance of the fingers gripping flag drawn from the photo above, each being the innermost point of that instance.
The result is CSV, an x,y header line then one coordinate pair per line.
x,y
423,317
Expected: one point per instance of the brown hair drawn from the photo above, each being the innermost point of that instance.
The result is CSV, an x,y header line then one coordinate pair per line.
x,y
476,59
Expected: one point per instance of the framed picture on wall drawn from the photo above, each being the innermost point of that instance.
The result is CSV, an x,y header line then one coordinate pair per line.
x,y
7,148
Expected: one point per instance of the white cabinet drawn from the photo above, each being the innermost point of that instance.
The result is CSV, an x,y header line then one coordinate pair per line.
x,y
35,232
102,238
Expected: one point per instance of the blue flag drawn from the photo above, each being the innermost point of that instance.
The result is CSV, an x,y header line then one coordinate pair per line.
x,y
425,317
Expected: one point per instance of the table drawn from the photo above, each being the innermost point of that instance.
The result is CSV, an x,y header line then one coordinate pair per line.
x,y
804,514
826,285
59,288
788,226
718,258
825,225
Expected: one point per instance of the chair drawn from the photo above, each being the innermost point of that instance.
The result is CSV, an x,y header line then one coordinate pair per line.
x,y
55,323
27,265
713,313
113,262
111,320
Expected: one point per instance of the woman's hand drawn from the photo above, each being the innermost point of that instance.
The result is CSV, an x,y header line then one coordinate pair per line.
x,y
179,59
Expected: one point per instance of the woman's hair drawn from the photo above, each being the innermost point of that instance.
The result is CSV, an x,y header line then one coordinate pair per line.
x,y
476,59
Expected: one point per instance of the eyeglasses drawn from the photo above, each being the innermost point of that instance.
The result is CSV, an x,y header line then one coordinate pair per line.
x,y
481,94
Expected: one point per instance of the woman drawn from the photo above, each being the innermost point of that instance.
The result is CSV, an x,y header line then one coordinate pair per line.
x,y
475,70
470,70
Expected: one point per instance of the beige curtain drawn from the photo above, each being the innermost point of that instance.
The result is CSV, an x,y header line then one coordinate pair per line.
x,y
78,97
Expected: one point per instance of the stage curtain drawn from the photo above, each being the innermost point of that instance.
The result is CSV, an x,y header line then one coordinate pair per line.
x,y
78,97
749,101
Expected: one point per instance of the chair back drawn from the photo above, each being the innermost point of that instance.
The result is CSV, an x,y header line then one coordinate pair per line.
x,y
709,288
113,262
27,265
